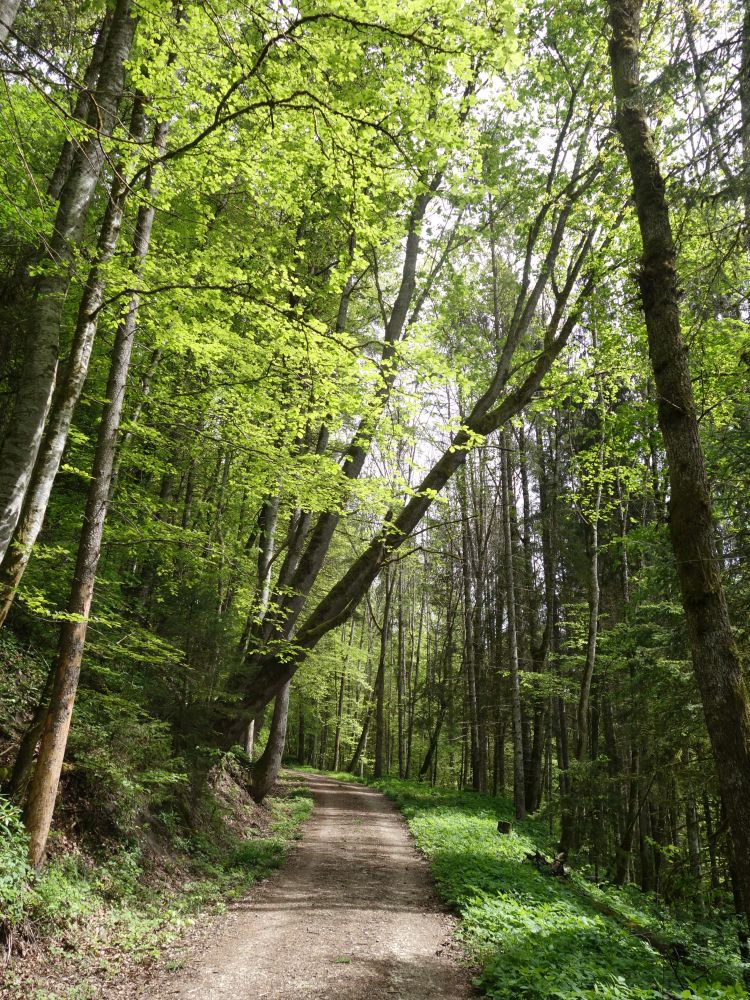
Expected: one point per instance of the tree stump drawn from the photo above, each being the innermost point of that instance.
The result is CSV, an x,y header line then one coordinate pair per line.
x,y
504,826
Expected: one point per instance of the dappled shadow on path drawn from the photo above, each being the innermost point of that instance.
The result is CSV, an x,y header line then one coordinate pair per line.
x,y
351,915
353,977
356,857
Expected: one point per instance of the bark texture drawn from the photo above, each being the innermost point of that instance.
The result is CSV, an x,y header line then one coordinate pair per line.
x,y
67,392
39,371
745,118
266,768
8,11
44,783
714,654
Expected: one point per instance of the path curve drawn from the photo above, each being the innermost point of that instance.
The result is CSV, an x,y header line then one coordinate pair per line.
x,y
352,915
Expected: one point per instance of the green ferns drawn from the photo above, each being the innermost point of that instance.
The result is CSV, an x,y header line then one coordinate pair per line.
x,y
537,937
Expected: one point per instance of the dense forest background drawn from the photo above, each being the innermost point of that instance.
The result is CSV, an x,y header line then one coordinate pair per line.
x,y
340,420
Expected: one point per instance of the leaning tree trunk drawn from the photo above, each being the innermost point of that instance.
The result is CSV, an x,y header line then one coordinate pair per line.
x,y
715,658
44,783
39,371
43,790
361,742
266,769
433,744
67,392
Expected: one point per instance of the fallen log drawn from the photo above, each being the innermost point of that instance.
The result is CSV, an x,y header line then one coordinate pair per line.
x,y
556,867
671,950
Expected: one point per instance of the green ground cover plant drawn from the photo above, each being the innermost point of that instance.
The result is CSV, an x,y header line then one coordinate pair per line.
x,y
536,936
97,917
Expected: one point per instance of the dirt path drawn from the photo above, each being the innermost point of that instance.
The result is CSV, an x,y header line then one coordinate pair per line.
x,y
351,916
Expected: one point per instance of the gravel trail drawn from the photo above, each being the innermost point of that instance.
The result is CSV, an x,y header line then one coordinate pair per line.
x,y
351,916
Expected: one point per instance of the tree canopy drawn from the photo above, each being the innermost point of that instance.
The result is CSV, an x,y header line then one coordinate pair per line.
x,y
373,391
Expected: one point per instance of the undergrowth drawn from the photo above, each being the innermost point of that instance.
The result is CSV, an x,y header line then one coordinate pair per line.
x,y
336,775
538,937
89,917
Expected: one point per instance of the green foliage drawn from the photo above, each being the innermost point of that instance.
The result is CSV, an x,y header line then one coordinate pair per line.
x,y
537,936
123,762
302,142
22,674
15,874
123,905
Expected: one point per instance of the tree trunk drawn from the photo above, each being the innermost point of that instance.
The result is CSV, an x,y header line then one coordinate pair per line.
x,y
380,763
301,737
582,742
563,755
433,744
646,847
714,653
519,774
693,838
43,789
250,738
39,371
568,832
469,644
401,676
489,413
414,684
361,742
711,839
83,106
67,392
339,717
266,769
745,118
266,545
625,844
535,770
8,11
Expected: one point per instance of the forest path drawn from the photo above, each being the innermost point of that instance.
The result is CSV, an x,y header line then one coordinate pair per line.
x,y
351,915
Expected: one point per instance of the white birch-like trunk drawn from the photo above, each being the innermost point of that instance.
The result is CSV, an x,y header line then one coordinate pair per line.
x,y
45,781
8,11
36,384
66,396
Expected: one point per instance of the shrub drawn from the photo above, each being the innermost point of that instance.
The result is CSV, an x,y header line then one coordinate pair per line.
x,y
16,892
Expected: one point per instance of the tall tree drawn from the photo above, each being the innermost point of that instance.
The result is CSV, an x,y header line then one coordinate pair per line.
x,y
46,777
37,379
714,652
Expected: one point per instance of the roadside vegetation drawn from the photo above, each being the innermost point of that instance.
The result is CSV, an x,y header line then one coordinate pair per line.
x,y
534,935
104,910
374,391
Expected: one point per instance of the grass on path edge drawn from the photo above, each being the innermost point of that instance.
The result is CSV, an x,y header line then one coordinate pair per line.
x,y
97,922
538,938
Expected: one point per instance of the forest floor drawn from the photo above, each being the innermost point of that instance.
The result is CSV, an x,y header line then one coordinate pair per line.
x,y
351,915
